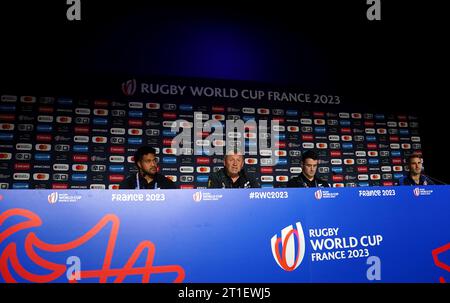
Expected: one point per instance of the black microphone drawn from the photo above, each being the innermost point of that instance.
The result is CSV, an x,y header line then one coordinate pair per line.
x,y
435,180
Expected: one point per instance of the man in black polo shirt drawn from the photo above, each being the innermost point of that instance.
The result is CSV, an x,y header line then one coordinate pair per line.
x,y
308,176
147,176
232,175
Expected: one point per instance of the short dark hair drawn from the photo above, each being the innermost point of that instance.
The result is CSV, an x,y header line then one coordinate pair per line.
x,y
142,151
414,155
309,155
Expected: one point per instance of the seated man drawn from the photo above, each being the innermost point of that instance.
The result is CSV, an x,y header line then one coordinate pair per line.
x,y
232,175
415,176
147,176
308,176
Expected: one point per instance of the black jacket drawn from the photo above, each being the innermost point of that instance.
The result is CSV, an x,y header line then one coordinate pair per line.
x,y
302,181
159,182
220,179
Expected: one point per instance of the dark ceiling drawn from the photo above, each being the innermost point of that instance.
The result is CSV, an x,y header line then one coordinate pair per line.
x,y
399,63
319,45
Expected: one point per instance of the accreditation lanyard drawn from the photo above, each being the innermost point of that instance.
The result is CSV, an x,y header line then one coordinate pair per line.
x,y
138,186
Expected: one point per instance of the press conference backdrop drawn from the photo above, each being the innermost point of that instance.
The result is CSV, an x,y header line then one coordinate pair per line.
x,y
64,142
371,234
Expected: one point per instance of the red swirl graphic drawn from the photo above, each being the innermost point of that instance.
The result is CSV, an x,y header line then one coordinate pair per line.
x,y
57,270
436,252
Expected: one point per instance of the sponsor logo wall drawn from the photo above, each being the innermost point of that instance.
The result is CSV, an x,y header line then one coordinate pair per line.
x,y
59,143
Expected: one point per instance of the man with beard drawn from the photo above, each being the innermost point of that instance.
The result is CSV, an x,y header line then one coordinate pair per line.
x,y
147,176
415,176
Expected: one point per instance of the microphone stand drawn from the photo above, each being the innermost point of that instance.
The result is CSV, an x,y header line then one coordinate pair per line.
x,y
439,182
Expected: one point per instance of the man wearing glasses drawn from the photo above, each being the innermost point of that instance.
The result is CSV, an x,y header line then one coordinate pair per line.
x,y
147,176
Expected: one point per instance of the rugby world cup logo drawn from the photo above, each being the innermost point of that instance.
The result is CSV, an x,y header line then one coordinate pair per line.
x,y
289,250
318,194
129,87
416,191
52,198
197,196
